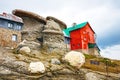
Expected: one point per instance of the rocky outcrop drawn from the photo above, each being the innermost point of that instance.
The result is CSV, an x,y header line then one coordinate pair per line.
x,y
33,24
44,67
53,37
48,32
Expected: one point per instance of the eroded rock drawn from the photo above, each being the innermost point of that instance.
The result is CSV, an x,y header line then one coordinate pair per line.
x,y
36,67
55,61
76,59
25,49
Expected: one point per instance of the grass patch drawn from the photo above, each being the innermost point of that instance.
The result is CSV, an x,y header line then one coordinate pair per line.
x,y
112,65
89,56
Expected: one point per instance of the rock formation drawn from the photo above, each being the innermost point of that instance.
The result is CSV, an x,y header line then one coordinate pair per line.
x,y
76,59
33,24
53,35
48,32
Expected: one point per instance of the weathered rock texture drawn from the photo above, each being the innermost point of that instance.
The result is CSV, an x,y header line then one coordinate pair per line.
x,y
61,24
36,67
49,30
17,67
25,49
53,36
6,37
76,59
33,24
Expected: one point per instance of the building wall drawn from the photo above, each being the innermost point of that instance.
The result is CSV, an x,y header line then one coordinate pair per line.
x,y
6,37
81,37
75,41
4,23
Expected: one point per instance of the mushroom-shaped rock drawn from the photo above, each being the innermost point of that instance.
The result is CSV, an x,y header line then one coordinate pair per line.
x,y
52,27
36,67
33,24
76,59
61,23
23,13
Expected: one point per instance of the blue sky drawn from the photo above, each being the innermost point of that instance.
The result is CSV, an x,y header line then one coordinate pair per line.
x,y
103,16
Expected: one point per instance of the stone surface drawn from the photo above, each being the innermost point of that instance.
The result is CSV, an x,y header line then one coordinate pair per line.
x,y
76,59
17,67
52,25
55,67
31,29
25,49
31,44
94,76
36,67
53,37
55,61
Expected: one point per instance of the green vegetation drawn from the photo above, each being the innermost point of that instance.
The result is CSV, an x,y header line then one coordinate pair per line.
x,y
89,56
112,65
108,62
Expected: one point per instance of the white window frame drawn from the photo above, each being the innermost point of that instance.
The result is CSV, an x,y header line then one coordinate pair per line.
x,y
14,37
10,25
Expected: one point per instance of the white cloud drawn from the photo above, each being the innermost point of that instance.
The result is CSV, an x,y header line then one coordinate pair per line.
x,y
112,52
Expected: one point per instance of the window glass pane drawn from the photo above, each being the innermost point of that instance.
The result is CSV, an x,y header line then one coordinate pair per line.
x,y
18,27
14,37
10,25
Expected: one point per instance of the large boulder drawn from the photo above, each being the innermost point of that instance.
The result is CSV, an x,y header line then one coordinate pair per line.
x,y
76,59
36,67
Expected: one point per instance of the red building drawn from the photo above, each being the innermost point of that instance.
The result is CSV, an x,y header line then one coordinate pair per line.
x,y
82,37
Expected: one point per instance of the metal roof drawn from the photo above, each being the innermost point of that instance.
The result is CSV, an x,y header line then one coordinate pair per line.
x,y
78,26
11,17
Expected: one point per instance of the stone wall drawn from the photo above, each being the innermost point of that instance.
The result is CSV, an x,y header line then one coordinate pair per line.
x,y
32,29
6,37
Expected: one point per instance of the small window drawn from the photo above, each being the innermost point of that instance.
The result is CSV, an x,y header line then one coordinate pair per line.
x,y
85,38
84,32
78,44
73,45
19,27
14,37
10,25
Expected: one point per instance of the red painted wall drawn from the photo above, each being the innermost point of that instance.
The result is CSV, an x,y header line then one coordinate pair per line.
x,y
81,37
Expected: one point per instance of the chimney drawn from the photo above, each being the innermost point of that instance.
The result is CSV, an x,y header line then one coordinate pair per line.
x,y
74,24
4,14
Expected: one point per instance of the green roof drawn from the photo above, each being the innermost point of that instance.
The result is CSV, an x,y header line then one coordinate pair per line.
x,y
78,26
